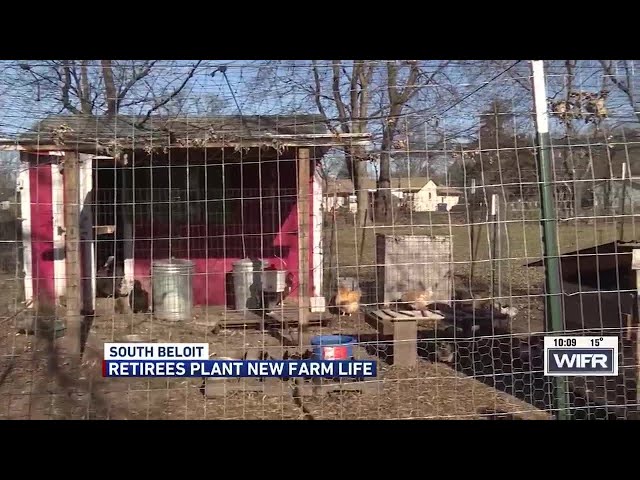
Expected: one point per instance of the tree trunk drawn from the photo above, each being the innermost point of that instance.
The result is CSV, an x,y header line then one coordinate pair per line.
x,y
383,197
85,93
383,202
109,87
362,195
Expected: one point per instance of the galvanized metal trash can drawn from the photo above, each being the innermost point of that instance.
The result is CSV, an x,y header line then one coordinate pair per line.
x,y
172,282
242,282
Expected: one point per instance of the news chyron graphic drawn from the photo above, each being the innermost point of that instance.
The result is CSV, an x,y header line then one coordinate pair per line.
x,y
192,360
581,356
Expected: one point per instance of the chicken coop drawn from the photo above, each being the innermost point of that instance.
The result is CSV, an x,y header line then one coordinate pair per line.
x,y
211,190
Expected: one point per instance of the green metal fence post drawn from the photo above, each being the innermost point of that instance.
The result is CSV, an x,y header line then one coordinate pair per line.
x,y
554,321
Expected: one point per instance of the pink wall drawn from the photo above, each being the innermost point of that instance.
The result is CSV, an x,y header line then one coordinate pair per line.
x,y
214,250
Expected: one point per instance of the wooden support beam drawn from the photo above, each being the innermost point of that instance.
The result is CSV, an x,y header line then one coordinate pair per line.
x,y
405,341
71,174
304,200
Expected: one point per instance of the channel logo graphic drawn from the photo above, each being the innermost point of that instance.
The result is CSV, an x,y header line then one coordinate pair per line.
x,y
583,356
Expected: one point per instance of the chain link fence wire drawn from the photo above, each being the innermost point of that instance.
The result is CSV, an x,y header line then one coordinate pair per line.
x,y
417,232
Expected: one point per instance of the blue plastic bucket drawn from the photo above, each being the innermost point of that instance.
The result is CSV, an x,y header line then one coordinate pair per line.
x,y
332,347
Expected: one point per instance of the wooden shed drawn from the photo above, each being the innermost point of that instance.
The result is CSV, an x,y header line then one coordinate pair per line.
x,y
212,190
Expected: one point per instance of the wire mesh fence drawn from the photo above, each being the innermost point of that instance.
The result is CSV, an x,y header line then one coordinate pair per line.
x,y
395,202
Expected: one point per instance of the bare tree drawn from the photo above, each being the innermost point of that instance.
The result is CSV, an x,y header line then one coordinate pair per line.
x,y
621,76
362,93
352,115
333,166
104,87
200,105
376,96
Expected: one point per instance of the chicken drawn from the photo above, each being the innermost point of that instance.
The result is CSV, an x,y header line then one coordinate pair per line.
x,y
274,299
109,279
418,299
600,107
445,352
347,301
510,312
120,305
138,298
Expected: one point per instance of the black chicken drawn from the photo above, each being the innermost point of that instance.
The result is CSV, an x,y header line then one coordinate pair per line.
x,y
109,279
138,298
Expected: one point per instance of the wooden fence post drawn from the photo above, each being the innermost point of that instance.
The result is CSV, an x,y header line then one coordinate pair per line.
x,y
304,176
71,174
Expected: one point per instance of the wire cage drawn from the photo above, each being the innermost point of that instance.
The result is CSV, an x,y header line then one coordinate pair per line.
x,y
502,193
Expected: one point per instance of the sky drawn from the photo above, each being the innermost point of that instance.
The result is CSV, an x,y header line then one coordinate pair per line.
x,y
450,107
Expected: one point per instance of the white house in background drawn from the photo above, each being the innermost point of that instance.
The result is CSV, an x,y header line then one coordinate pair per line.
x,y
431,198
420,193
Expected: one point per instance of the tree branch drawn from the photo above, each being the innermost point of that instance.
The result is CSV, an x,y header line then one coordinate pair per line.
x,y
317,93
146,69
366,75
177,91
614,79
342,113
410,89
353,85
66,85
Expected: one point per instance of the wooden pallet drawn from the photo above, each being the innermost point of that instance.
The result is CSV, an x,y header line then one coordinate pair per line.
x,y
237,319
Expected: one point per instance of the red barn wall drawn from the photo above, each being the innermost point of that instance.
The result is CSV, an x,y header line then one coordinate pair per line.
x,y
214,248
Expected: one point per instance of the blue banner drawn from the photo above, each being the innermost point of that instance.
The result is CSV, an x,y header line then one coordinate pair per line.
x,y
240,368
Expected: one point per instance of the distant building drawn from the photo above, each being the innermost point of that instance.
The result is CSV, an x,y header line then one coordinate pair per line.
x,y
431,198
419,193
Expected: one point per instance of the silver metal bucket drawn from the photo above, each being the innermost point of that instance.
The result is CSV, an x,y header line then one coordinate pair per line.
x,y
242,282
172,289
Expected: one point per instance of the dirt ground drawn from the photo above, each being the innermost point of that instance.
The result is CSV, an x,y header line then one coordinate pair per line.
x,y
30,389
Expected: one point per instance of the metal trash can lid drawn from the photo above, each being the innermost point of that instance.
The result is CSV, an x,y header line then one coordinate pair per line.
x,y
168,262
245,262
